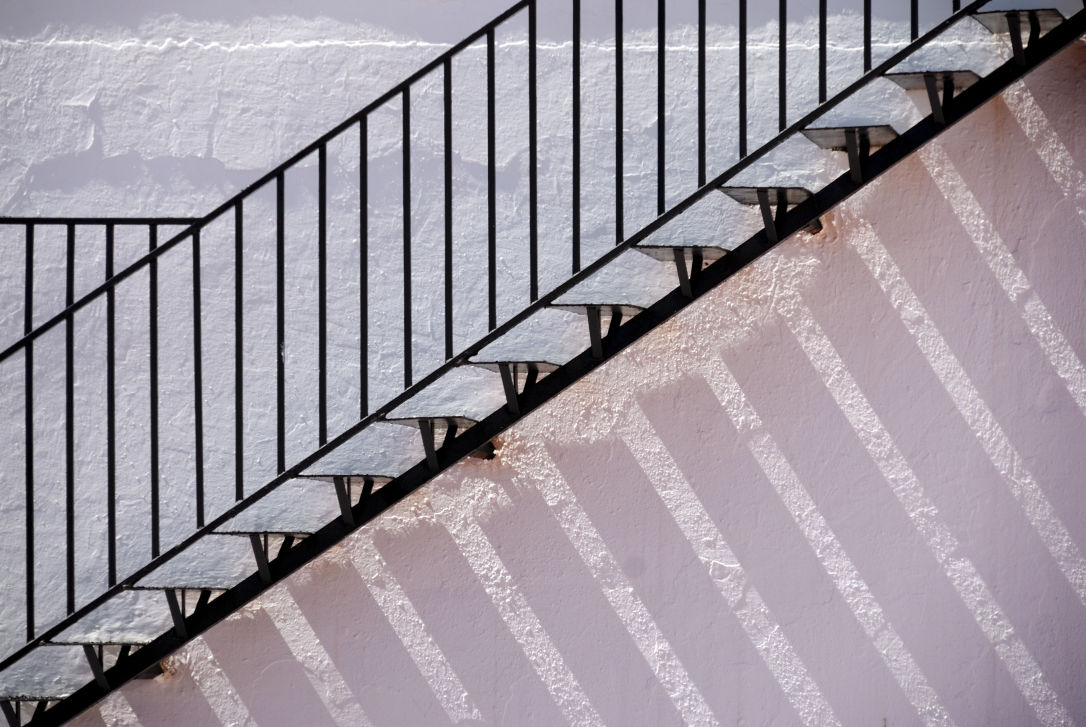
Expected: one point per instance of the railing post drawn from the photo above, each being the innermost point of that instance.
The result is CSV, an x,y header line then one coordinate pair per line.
x,y
322,294
69,420
447,98
407,378
821,51
156,525
28,411
239,343
661,131
363,266
619,123
742,78
701,93
533,160
576,94
782,67
492,188
198,378
280,324
867,35
111,415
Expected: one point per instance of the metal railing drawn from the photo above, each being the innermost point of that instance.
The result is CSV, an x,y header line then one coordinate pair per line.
x,y
230,224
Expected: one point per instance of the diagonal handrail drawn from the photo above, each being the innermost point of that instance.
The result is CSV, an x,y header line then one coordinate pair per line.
x,y
545,300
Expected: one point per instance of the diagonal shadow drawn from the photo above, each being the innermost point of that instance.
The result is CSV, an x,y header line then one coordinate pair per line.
x,y
871,522
472,635
1043,230
568,602
958,476
278,693
369,655
553,577
777,557
1052,86
988,337
172,699
673,583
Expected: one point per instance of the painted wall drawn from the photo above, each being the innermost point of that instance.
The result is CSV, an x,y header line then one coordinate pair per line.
x,y
843,487
171,112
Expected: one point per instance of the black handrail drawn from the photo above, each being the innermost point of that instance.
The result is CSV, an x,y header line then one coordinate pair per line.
x,y
327,443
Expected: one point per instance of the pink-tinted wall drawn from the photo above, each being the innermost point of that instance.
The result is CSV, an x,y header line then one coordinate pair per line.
x,y
847,486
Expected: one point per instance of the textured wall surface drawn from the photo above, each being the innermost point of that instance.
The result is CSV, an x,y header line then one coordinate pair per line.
x,y
843,488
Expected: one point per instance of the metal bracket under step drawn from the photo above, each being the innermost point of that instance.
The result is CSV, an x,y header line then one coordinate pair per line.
x,y
344,498
686,278
856,141
177,612
14,714
260,552
932,82
96,662
595,326
773,210
1010,22
428,432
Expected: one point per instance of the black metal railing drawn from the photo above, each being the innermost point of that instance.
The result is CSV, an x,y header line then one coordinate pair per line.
x,y
258,234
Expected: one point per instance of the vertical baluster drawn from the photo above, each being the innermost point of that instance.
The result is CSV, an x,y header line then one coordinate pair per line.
x,y
28,411
576,93
742,78
821,51
782,67
533,161
363,267
198,378
492,187
867,35
914,19
322,294
69,420
701,93
239,338
152,243
448,212
407,378
619,191
661,132
111,415
280,324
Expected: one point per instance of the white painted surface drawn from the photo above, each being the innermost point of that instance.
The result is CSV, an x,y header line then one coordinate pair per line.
x,y
976,381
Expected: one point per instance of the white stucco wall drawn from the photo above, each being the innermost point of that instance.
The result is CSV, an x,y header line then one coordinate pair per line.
x,y
843,487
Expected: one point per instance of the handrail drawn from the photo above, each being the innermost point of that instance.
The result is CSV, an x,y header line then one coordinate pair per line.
x,y
328,444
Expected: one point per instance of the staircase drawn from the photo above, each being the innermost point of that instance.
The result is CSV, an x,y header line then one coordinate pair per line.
x,y
455,411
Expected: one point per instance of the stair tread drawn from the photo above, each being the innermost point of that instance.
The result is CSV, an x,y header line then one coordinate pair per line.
x,y
703,226
297,507
214,562
749,195
129,617
463,395
381,450
550,337
996,20
833,137
914,80
631,282
46,673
